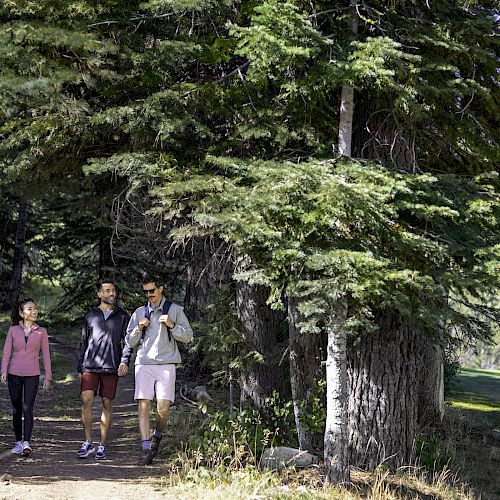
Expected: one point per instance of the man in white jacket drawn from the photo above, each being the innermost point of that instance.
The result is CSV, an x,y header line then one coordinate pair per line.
x,y
155,329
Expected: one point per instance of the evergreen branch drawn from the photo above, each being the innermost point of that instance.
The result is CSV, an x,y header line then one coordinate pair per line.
x,y
235,71
328,11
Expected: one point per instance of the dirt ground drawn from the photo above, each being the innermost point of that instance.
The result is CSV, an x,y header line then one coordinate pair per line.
x,y
53,471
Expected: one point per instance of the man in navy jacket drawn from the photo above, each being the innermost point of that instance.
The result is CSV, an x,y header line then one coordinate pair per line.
x,y
104,357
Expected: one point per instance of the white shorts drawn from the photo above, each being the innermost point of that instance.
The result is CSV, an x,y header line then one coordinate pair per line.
x,y
155,379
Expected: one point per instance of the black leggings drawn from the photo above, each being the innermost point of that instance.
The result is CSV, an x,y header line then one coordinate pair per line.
x,y
22,404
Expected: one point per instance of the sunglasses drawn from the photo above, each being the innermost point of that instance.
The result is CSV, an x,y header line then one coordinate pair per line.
x,y
151,291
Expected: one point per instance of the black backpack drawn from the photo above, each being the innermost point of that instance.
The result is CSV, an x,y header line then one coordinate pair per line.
x,y
164,310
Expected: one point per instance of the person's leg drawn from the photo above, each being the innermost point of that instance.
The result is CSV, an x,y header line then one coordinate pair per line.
x,y
16,397
87,397
165,393
106,418
107,391
162,414
30,392
144,409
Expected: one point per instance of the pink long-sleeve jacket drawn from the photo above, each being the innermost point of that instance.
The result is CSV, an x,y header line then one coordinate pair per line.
x,y
25,355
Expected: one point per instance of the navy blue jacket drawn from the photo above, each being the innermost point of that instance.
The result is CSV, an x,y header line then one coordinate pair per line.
x,y
102,344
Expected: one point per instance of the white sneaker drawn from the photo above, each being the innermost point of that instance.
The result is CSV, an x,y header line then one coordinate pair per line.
x,y
18,449
26,448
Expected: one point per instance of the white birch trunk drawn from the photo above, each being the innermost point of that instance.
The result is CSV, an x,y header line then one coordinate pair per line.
x,y
345,121
347,101
336,431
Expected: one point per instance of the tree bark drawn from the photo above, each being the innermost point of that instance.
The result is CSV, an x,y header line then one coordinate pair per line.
x,y
383,399
307,351
345,120
431,382
19,253
205,273
336,429
258,327
347,99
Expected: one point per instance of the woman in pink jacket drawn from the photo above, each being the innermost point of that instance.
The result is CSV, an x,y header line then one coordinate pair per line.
x,y
21,369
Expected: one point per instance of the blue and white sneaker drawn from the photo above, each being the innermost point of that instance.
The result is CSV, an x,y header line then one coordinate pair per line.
x,y
18,449
86,449
100,453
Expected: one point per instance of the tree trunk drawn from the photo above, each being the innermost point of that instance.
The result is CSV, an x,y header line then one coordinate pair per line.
x,y
336,429
258,327
431,382
383,405
345,120
19,253
347,99
105,263
307,352
205,273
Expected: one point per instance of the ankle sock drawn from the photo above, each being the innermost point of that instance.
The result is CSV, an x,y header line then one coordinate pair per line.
x,y
146,444
157,434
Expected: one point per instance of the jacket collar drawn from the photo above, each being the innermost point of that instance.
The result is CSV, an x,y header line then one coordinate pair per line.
x,y
152,308
34,326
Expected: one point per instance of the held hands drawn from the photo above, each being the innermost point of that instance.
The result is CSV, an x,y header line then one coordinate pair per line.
x,y
165,319
3,378
122,370
144,323
46,385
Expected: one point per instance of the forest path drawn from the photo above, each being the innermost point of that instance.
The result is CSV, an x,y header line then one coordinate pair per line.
x,y
53,470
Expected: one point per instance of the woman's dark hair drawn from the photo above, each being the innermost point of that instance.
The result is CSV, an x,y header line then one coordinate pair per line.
x,y
15,316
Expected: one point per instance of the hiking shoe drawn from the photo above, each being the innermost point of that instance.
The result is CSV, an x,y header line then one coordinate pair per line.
x,y
155,444
146,458
86,449
18,449
26,448
100,453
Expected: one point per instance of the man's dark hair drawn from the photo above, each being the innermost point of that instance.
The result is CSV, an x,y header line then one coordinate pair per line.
x,y
102,281
153,279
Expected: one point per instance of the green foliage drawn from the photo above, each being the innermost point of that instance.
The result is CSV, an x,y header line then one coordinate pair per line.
x,y
279,41
242,438
313,416
430,453
381,239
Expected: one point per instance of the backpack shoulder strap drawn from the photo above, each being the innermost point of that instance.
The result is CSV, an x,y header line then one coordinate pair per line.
x,y
166,306
147,313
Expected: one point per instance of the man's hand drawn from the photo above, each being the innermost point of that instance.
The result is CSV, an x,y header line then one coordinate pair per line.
x,y
144,323
46,384
3,378
122,370
165,319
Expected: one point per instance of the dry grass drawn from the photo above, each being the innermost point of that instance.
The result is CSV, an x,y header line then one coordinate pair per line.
x,y
473,464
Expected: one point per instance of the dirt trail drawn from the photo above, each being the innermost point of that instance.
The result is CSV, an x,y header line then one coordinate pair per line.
x,y
53,471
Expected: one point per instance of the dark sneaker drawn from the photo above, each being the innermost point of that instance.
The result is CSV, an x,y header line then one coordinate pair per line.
x,y
155,444
146,458
100,453
86,449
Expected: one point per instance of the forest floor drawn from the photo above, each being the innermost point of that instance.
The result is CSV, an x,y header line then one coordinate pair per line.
x,y
53,471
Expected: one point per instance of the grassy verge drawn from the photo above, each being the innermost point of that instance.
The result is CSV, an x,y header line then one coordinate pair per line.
x,y
477,393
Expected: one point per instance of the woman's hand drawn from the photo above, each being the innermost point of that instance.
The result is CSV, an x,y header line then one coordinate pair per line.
x,y
3,378
46,385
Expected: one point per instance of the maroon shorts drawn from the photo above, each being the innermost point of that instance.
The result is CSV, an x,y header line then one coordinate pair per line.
x,y
104,382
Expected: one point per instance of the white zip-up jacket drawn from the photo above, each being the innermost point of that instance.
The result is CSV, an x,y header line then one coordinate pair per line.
x,y
155,348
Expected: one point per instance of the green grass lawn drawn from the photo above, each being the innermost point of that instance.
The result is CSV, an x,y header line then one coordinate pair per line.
x,y
478,391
